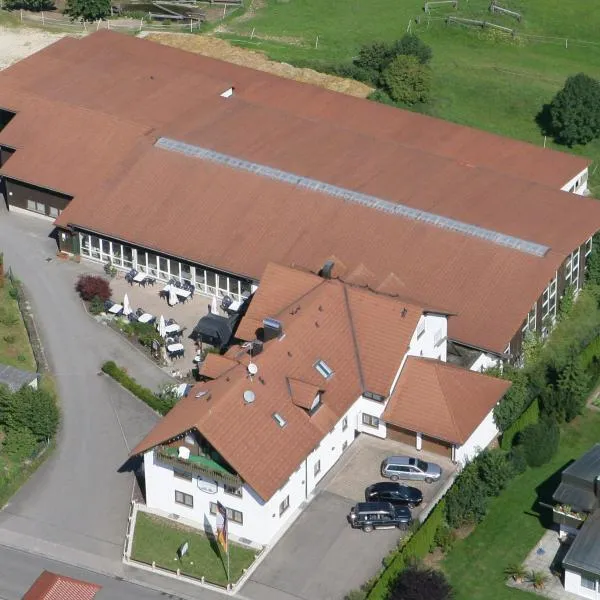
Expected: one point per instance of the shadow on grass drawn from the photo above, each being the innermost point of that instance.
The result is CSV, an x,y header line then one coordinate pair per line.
x,y
544,121
544,493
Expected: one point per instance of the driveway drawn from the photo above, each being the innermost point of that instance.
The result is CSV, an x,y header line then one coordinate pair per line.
x,y
321,556
76,506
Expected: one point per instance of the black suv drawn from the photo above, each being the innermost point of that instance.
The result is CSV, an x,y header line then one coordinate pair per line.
x,y
379,515
396,493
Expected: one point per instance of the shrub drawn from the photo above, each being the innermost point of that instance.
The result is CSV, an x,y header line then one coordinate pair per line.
x,y
406,80
417,583
381,97
529,416
466,502
9,339
29,408
444,537
411,45
540,442
494,470
96,305
90,286
516,399
517,460
146,333
160,405
20,443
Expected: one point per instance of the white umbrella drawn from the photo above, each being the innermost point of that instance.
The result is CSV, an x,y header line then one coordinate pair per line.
x,y
126,306
161,327
172,296
214,307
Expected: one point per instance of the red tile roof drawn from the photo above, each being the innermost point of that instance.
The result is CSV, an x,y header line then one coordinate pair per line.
x,y
317,326
215,365
123,93
442,400
50,586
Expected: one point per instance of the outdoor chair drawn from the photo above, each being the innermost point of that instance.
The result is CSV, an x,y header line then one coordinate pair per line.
x,y
226,302
108,304
132,317
139,312
150,281
170,322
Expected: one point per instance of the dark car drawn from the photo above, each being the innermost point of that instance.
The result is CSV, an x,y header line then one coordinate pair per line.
x,y
379,515
396,493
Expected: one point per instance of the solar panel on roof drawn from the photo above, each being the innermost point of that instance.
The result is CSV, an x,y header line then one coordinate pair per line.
x,y
381,204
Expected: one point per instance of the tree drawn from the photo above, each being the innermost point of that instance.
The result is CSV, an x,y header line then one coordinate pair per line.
x,y
466,502
88,10
407,80
540,442
516,399
31,409
573,384
412,45
373,59
416,583
575,111
90,286
592,263
494,470
33,5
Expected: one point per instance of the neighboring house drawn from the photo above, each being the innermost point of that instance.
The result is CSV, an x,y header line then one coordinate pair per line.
x,y
50,586
15,378
577,513
206,171
322,361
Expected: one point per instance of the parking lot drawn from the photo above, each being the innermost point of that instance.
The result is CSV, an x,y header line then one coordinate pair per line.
x,y
321,557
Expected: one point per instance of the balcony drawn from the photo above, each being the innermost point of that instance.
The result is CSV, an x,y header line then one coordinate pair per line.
x,y
565,516
203,466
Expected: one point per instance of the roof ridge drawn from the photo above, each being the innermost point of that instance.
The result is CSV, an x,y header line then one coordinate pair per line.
x,y
354,340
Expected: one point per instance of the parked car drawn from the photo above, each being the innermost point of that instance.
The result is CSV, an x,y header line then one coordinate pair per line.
x,y
406,467
379,515
395,493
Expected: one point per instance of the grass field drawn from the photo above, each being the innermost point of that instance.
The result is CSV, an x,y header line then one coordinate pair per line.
x,y
157,540
512,528
481,78
14,343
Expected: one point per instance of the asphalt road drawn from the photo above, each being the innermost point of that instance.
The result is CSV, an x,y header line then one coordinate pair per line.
x,y
75,507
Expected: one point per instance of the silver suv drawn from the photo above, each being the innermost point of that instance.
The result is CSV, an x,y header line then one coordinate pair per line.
x,y
406,467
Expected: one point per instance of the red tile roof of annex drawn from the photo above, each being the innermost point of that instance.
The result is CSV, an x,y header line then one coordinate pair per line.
x,y
50,586
331,317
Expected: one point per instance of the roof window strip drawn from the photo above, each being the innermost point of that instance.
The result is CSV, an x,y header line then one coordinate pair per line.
x,y
367,200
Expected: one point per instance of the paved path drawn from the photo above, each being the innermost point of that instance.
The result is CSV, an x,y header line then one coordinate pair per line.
x,y
76,505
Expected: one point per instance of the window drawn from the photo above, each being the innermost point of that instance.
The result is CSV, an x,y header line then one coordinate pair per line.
x,y
549,300
284,505
344,423
317,467
324,369
588,247
233,515
233,491
53,212
279,420
438,337
420,328
588,584
344,445
185,499
182,475
30,205
572,268
370,420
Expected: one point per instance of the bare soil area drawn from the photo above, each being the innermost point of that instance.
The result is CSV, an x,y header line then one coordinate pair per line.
x,y
18,43
218,48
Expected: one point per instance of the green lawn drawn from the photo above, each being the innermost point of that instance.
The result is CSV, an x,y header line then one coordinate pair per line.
x,y
480,79
14,343
512,527
156,539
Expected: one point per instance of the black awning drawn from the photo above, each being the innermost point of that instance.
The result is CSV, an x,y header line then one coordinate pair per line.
x,y
214,330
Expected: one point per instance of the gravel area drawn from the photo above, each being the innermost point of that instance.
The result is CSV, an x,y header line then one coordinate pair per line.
x,y
18,43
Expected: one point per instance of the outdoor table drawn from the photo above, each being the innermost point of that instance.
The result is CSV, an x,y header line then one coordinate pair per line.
x,y
180,292
140,277
115,309
175,347
145,318
174,328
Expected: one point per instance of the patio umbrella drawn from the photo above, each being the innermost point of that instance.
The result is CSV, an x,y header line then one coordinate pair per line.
x,y
172,296
126,306
161,327
214,309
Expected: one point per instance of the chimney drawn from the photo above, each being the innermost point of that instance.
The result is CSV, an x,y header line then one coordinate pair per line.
x,y
272,329
325,272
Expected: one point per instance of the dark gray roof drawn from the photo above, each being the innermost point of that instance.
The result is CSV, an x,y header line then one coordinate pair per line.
x,y
584,553
579,486
214,329
15,378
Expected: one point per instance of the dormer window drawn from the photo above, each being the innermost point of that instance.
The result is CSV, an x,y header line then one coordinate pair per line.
x,y
316,404
324,369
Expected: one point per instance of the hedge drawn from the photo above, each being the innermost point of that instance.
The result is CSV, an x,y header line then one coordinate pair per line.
x,y
529,416
417,546
590,360
160,405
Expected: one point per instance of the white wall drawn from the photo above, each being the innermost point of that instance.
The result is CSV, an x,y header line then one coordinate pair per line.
x,y
481,438
580,183
261,519
373,408
430,337
573,585
484,361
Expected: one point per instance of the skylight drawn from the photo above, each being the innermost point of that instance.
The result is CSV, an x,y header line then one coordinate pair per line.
x,y
324,369
279,420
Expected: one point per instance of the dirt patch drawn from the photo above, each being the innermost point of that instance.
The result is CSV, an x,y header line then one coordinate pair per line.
x,y
18,43
217,48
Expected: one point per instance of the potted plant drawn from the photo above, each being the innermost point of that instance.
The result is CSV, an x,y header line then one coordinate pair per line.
x,y
110,269
516,571
538,579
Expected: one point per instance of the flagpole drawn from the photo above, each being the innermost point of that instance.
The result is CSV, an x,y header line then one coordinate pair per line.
x,y
227,563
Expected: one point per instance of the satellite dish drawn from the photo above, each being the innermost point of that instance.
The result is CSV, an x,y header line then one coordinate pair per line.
x,y
252,369
249,396
183,452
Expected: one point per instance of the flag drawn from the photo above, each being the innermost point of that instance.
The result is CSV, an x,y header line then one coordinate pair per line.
x,y
222,534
